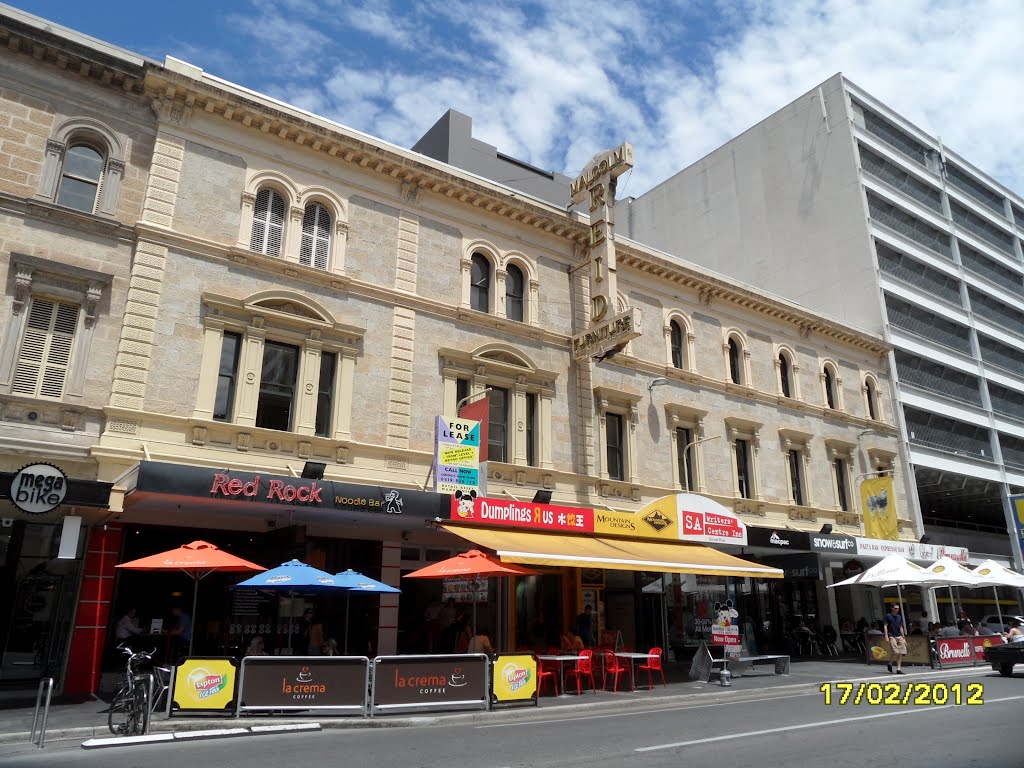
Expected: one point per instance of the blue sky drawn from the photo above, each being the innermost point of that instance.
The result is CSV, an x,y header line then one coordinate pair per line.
x,y
554,81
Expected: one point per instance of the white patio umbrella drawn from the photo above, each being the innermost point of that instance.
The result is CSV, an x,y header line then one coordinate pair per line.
x,y
891,571
945,572
992,574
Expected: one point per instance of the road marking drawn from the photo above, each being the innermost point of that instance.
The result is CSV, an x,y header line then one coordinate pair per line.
x,y
803,726
654,710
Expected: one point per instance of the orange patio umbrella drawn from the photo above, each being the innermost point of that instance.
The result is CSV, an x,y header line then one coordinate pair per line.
x,y
198,559
472,563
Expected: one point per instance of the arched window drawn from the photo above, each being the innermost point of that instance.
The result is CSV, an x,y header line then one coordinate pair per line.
x,y
785,374
80,177
871,395
676,341
515,285
316,236
480,284
268,223
735,367
829,382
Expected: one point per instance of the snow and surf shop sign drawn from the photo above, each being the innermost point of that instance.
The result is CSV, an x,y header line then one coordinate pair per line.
x,y
457,456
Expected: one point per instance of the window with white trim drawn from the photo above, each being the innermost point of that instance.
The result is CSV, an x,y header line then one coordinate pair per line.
x,y
840,477
83,167
80,177
676,343
872,399
44,355
519,406
787,374
684,458
794,462
831,387
480,283
618,413
315,250
46,336
268,222
277,361
615,446
744,446
515,293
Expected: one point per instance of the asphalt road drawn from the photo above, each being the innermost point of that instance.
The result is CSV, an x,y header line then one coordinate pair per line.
x,y
789,729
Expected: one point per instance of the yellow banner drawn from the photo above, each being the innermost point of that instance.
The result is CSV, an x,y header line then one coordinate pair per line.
x,y
878,503
205,684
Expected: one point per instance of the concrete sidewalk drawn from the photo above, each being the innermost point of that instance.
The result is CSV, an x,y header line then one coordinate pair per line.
x,y
81,721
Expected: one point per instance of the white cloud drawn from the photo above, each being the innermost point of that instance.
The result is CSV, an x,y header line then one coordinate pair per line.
x,y
553,82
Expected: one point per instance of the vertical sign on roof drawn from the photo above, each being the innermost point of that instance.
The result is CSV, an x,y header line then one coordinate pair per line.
x,y
597,185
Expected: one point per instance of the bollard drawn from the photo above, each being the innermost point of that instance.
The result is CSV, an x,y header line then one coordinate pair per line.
x,y
46,682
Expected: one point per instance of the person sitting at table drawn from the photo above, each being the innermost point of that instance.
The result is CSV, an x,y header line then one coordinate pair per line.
x,y
463,634
329,648
481,642
950,630
127,626
256,647
915,628
1015,635
876,629
571,642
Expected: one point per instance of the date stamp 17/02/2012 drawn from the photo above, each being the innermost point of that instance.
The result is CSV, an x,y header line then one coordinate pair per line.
x,y
903,694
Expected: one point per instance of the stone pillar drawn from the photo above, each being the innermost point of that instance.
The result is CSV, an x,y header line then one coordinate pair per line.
x,y
387,618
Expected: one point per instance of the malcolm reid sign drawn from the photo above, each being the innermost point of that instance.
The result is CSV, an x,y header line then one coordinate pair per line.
x,y
611,333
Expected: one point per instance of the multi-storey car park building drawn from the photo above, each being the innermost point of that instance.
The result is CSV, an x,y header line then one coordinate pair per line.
x,y
842,205
250,290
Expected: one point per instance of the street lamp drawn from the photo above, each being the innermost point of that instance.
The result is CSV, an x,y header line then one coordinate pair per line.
x,y
687,447
656,383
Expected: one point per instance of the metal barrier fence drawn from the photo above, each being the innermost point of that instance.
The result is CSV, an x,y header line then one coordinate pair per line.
x,y
452,681
289,683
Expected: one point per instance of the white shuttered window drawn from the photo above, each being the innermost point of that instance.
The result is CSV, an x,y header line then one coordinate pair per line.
x,y
46,349
268,223
316,236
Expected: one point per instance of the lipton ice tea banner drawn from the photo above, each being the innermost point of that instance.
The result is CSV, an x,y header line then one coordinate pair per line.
x,y
878,504
515,677
205,684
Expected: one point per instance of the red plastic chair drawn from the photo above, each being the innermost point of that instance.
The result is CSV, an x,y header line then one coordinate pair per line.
x,y
547,669
653,665
584,668
613,666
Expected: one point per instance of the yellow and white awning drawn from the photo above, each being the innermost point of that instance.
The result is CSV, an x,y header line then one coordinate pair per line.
x,y
580,551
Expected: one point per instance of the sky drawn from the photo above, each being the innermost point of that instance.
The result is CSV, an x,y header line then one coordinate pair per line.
x,y
552,82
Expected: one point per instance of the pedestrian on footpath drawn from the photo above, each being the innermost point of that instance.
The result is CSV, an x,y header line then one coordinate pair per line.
x,y
896,633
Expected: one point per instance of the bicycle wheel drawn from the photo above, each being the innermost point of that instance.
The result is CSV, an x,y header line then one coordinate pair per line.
x,y
117,715
138,716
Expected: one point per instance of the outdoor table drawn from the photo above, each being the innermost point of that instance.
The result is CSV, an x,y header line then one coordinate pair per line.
x,y
561,659
632,660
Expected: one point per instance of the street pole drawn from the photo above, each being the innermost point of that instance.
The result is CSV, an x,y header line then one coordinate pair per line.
x,y
473,396
687,447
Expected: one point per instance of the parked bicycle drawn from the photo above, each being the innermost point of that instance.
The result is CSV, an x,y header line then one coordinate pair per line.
x,y
131,708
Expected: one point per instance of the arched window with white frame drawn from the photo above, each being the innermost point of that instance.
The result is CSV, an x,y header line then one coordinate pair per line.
x,y
515,293
830,383
676,335
872,400
315,249
735,360
83,167
480,283
268,222
81,176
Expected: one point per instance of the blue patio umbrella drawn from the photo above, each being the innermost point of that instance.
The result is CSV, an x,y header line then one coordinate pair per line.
x,y
291,577
353,581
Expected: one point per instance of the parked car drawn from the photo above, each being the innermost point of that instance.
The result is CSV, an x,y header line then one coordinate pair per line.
x,y
1003,657
992,622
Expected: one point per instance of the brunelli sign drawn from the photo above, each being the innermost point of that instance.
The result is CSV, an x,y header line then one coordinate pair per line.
x,y
311,682
954,651
457,681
